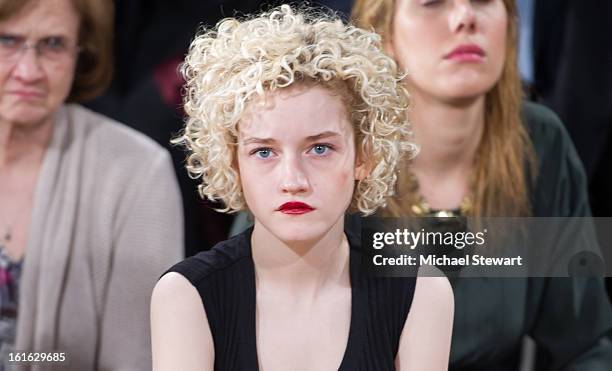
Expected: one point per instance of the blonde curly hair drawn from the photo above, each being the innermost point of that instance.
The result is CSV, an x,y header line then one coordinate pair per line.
x,y
240,60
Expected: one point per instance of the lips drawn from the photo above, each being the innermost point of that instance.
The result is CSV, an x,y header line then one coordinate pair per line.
x,y
466,53
27,94
295,208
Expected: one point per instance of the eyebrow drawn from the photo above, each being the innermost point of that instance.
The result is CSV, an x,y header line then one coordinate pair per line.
x,y
323,135
54,33
311,138
254,140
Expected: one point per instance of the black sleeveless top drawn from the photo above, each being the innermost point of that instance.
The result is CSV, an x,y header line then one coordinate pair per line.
x,y
225,279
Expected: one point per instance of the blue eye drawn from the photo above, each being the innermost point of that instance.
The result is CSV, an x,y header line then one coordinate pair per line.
x,y
320,149
263,152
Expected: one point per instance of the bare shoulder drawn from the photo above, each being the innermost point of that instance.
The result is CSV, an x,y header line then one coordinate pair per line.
x,y
174,287
180,334
175,303
426,337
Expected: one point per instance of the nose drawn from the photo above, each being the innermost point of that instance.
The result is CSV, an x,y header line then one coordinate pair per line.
x,y
462,16
27,66
293,177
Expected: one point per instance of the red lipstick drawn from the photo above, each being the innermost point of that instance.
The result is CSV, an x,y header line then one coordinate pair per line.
x,y
295,208
466,53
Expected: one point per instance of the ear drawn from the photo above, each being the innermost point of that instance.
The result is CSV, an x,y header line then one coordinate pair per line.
x,y
362,169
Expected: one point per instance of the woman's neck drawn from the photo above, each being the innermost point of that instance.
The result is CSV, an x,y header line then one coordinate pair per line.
x,y
23,145
308,267
449,135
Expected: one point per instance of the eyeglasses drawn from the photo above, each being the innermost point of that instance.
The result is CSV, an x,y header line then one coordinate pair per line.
x,y
52,49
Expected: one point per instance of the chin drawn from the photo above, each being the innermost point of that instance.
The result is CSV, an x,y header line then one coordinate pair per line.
x,y
296,231
26,115
465,91
299,233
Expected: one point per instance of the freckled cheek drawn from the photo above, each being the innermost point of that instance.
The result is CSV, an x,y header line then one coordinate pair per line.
x,y
257,193
341,183
253,184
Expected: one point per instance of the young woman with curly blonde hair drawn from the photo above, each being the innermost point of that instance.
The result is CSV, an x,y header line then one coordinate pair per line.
x,y
297,117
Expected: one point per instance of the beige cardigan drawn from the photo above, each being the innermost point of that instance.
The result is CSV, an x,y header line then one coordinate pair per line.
x,y
106,223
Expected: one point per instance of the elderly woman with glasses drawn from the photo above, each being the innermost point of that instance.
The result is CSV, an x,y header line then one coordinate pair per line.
x,y
89,209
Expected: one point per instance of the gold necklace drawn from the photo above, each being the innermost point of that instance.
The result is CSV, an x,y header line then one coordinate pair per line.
x,y
422,208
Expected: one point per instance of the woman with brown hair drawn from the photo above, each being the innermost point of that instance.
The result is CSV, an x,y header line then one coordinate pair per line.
x,y
89,209
484,152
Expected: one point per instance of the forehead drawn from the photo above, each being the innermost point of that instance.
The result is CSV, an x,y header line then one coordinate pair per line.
x,y
43,17
296,112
